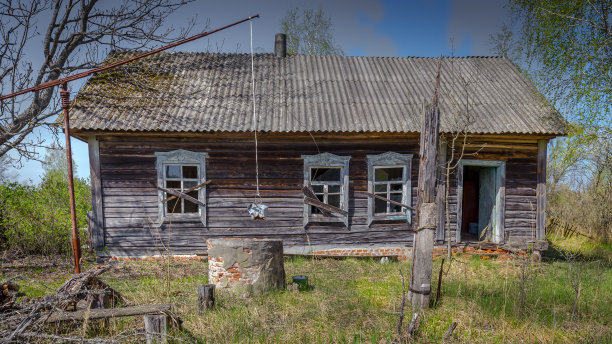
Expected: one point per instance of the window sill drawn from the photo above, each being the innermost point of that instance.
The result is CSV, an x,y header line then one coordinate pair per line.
x,y
181,218
326,220
391,219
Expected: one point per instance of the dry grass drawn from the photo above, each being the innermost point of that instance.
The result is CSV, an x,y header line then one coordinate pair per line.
x,y
357,300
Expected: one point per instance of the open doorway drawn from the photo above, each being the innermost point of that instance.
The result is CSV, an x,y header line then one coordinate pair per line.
x,y
480,201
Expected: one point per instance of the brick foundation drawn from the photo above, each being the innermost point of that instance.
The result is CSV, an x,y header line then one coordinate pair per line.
x,y
402,254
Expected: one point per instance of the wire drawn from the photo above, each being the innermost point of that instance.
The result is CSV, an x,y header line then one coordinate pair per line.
x,y
258,196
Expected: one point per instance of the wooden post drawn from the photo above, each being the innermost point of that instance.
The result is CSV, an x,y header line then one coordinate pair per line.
x,y
155,328
97,225
422,249
206,297
441,192
541,190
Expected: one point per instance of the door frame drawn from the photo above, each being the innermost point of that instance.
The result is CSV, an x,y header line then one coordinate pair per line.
x,y
500,196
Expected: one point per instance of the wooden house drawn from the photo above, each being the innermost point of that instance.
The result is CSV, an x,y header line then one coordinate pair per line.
x,y
342,125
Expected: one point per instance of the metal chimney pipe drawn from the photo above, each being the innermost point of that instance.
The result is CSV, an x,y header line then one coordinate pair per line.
x,y
280,45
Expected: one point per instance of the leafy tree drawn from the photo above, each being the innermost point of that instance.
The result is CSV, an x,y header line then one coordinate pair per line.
x,y
569,46
75,35
309,32
36,219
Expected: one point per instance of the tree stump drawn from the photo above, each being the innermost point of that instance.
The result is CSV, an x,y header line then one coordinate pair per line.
x,y
206,297
246,266
155,328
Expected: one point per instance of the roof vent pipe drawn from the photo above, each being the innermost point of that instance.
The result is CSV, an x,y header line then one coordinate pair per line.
x,y
280,45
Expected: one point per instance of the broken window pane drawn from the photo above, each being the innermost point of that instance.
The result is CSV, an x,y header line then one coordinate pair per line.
x,y
173,184
173,206
191,207
380,206
325,174
388,174
190,172
317,188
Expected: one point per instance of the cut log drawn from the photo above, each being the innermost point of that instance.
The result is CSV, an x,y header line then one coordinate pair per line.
x,y
155,328
94,314
206,297
246,266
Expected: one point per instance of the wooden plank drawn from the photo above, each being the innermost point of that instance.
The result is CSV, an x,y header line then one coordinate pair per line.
x,y
108,313
308,192
97,204
541,190
441,191
386,199
188,190
182,195
324,206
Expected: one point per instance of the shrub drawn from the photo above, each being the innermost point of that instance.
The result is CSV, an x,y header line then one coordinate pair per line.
x,y
36,219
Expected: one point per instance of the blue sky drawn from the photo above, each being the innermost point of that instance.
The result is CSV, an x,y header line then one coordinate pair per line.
x,y
361,28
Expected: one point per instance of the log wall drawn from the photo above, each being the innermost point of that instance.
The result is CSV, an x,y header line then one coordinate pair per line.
x,y
127,176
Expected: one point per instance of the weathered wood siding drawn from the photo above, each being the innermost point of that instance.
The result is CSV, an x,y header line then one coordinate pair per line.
x,y
127,172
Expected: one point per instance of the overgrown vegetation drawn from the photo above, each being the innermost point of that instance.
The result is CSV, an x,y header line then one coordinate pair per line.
x,y
580,189
35,219
357,300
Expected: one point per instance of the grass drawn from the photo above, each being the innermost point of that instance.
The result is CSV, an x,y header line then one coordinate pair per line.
x,y
357,300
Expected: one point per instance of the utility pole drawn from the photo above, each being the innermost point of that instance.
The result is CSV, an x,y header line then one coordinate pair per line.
x,y
426,214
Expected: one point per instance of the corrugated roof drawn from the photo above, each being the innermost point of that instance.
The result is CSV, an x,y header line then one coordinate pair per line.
x,y
203,92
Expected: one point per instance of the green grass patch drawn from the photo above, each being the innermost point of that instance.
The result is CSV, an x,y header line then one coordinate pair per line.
x,y
358,300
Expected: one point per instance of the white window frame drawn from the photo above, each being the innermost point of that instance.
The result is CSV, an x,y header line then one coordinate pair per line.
x,y
328,160
390,160
181,157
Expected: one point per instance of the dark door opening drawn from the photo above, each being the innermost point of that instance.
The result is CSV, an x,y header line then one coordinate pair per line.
x,y
479,189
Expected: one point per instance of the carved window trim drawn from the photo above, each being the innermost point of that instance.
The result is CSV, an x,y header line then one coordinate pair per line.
x,y
326,160
391,159
181,157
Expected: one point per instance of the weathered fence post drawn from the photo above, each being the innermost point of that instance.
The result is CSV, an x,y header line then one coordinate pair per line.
x,y
155,328
422,249
206,297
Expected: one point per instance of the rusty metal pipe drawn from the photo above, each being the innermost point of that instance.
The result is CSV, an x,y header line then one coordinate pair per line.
x,y
76,242
65,97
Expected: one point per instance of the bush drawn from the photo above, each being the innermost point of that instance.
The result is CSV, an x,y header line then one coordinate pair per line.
x,y
36,219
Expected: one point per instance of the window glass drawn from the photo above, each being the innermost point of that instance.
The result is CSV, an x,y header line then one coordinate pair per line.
x,y
396,187
188,184
333,188
333,200
173,171
388,183
181,178
380,188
